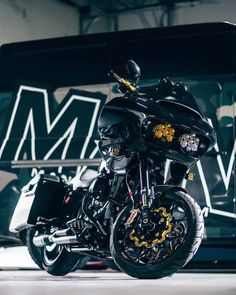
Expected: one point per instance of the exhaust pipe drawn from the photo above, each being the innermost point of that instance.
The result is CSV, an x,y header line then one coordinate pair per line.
x,y
44,240
79,250
41,241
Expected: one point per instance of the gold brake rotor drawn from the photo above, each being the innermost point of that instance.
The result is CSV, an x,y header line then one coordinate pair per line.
x,y
160,237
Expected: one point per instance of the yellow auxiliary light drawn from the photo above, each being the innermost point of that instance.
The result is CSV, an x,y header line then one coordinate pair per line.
x,y
190,176
116,150
164,132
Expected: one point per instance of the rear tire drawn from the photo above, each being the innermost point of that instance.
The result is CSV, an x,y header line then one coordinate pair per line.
x,y
36,253
56,260
59,261
169,265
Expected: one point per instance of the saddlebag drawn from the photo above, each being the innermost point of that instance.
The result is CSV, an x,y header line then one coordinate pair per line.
x,y
42,197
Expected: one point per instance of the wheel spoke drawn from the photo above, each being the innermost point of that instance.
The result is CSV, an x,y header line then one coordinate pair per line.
x,y
172,206
143,254
181,219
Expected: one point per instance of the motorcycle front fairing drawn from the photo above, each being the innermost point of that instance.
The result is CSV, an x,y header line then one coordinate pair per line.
x,y
130,124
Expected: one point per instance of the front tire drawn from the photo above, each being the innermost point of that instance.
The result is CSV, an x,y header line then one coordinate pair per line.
x,y
150,262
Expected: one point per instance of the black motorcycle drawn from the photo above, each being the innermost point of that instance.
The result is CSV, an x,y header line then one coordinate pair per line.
x,y
126,211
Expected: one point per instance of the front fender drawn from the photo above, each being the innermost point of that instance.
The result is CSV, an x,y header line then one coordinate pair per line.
x,y
165,188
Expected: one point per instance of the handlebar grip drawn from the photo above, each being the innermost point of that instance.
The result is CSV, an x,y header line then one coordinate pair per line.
x,y
128,85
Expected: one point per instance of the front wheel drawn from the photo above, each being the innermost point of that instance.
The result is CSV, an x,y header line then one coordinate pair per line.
x,y
163,246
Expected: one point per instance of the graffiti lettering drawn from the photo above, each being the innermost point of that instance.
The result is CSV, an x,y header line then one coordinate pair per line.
x,y
37,131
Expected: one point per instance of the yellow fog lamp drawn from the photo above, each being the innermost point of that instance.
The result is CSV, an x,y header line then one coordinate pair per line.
x,y
164,132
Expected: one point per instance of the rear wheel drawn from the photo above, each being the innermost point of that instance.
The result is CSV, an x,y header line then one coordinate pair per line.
x,y
55,259
166,244
36,253
58,261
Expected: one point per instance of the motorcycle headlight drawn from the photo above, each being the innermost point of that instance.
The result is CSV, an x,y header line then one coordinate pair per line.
x,y
189,142
164,132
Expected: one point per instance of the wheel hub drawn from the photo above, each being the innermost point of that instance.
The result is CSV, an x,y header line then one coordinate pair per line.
x,y
157,235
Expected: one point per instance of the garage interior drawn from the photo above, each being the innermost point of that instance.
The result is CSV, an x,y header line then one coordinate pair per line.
x,y
59,45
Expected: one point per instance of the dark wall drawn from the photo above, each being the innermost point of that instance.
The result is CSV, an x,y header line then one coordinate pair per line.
x,y
204,49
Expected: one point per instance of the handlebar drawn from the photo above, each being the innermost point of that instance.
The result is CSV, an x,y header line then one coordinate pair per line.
x,y
125,85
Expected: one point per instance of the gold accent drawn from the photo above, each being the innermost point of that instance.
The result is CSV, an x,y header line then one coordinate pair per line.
x,y
164,132
144,198
169,138
158,133
190,176
116,150
136,240
128,85
167,219
163,209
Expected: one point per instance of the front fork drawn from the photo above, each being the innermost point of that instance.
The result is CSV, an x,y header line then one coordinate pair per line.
x,y
144,184
145,191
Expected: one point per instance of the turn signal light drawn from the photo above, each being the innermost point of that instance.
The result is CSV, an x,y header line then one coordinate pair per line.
x,y
190,176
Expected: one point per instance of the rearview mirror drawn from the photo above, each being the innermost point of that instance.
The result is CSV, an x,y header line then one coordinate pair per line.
x,y
134,70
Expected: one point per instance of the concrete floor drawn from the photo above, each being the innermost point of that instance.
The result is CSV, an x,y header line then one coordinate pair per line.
x,y
102,283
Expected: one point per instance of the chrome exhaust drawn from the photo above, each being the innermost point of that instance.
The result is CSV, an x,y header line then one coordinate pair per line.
x,y
65,240
44,240
78,250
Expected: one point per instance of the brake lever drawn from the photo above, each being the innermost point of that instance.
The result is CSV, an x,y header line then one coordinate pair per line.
x,y
123,83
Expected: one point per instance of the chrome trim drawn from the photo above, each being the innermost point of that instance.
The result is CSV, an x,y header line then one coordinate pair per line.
x,y
50,163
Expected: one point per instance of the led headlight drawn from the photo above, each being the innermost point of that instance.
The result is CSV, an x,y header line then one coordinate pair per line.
x,y
189,142
164,132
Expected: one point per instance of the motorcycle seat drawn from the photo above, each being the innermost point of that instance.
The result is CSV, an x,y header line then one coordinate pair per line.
x,y
84,180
